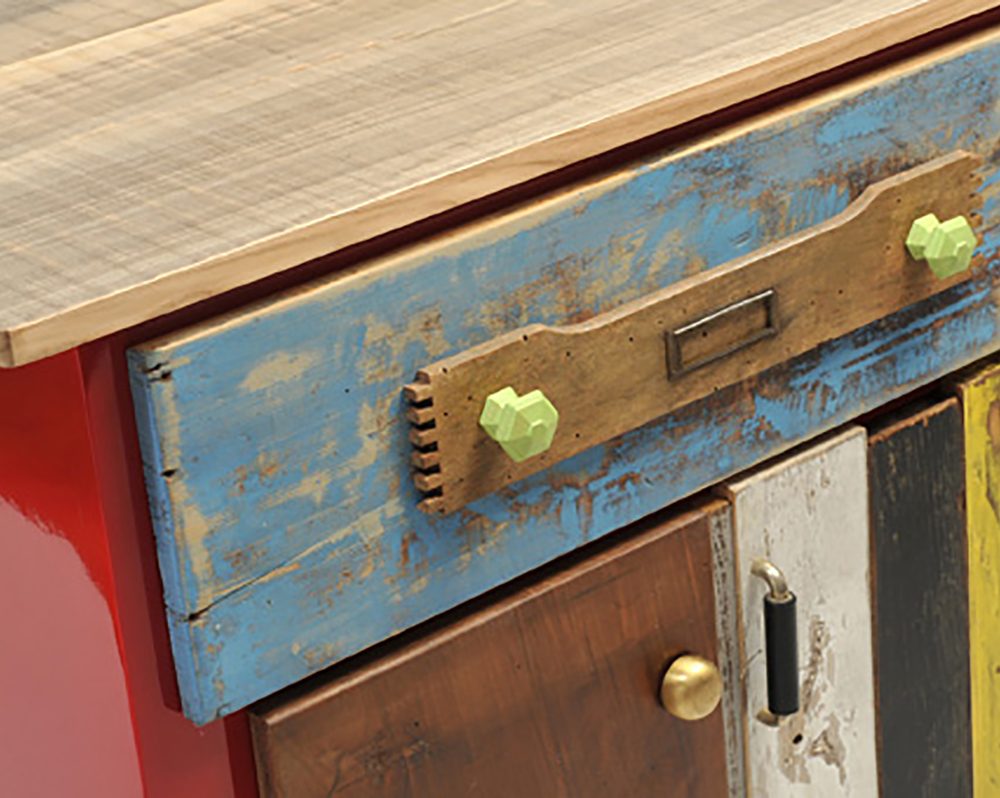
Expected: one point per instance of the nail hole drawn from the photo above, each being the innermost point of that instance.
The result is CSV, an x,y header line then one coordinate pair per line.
x,y
797,739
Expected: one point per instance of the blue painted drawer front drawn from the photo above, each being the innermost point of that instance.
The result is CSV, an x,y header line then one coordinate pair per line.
x,y
275,442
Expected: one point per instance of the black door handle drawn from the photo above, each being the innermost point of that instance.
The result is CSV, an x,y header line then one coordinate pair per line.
x,y
780,640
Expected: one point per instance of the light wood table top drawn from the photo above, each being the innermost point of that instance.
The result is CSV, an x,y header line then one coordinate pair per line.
x,y
160,153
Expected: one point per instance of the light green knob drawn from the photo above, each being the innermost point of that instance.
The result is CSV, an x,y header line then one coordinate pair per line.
x,y
946,246
524,426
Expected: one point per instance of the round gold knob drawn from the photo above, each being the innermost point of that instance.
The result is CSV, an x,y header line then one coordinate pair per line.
x,y
691,688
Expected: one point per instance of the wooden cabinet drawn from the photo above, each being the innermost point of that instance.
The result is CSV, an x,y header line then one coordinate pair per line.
x,y
277,437
289,271
551,691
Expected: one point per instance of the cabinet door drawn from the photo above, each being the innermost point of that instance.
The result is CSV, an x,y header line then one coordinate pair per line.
x,y
808,514
917,481
552,691
981,409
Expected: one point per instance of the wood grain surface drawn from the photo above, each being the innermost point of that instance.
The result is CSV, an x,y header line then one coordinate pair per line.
x,y
30,28
609,375
551,692
916,473
275,439
148,169
808,514
980,395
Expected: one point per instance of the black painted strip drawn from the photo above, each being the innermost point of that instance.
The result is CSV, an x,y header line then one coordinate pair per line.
x,y
917,484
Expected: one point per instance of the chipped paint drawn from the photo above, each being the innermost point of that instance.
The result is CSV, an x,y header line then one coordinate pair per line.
x,y
331,567
794,748
277,369
828,747
385,342
980,400
312,487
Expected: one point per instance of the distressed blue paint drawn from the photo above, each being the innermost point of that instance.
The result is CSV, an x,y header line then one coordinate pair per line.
x,y
673,458
345,587
167,552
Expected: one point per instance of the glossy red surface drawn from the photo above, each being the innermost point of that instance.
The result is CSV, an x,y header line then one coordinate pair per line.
x,y
87,699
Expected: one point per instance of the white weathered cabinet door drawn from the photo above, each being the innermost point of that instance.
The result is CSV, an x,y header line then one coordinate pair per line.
x,y
808,514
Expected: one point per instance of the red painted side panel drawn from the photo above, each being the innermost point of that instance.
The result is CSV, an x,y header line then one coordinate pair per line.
x,y
65,722
178,758
87,702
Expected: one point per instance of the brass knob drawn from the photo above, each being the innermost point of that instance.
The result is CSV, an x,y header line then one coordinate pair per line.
x,y
691,688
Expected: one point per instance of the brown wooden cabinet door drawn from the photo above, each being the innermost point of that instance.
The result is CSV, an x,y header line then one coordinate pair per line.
x,y
552,691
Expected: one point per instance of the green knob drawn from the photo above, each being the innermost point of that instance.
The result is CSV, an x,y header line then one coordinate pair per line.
x,y
946,246
524,426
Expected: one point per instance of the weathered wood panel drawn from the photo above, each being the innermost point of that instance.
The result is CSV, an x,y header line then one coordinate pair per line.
x,y
981,409
551,692
609,375
727,636
916,476
146,170
808,514
276,444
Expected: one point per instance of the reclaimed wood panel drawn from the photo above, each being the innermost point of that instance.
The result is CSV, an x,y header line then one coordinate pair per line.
x,y
553,691
916,473
275,439
727,634
808,514
146,170
980,395
609,375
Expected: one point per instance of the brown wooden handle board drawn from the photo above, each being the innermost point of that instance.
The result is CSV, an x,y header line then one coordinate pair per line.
x,y
629,366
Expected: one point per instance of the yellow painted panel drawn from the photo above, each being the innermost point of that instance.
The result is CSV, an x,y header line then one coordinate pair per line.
x,y
981,400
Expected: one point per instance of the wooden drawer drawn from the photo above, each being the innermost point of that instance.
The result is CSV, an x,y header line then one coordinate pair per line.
x,y
276,441
552,691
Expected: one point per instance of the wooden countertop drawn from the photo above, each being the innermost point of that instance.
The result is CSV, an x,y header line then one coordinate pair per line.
x,y
153,154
